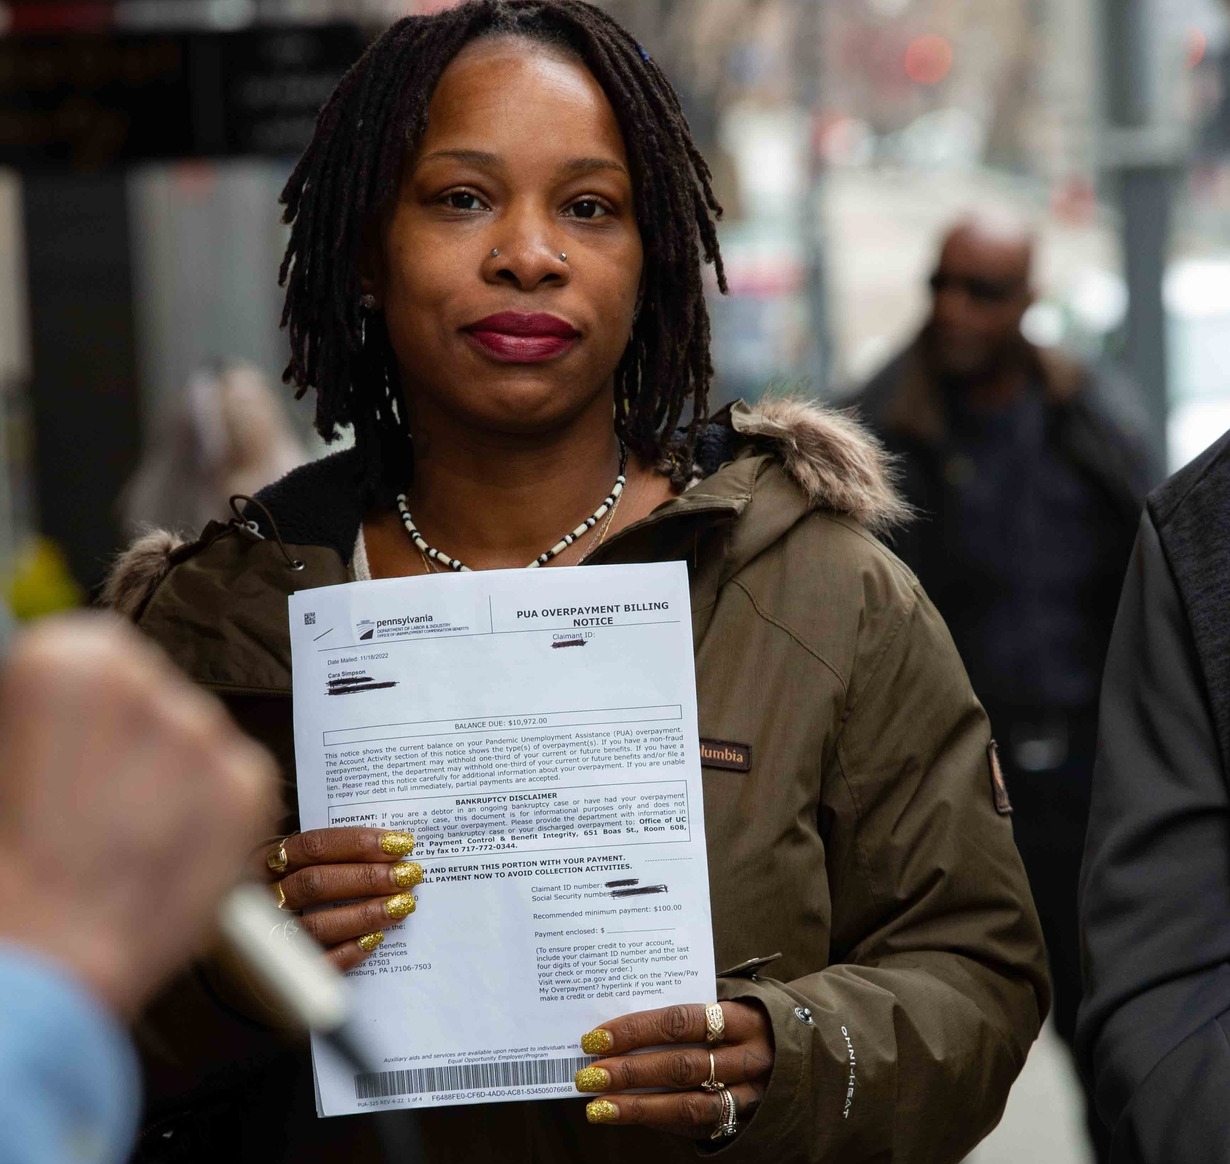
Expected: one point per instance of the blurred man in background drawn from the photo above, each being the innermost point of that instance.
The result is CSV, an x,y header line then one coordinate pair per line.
x,y
1029,489
128,804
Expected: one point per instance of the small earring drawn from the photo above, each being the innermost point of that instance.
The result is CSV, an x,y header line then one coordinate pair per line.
x,y
367,302
495,252
563,258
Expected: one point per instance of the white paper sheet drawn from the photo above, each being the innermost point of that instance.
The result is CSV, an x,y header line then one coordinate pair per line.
x,y
536,731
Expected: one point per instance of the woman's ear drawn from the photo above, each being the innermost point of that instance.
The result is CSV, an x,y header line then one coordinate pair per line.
x,y
371,264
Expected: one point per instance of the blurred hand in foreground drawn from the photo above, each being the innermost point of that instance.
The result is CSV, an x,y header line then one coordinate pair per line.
x,y
128,801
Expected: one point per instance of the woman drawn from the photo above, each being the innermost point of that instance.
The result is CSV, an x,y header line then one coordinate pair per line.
x,y
494,274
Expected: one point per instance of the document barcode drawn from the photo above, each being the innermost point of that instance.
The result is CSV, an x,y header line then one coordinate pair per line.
x,y
466,1077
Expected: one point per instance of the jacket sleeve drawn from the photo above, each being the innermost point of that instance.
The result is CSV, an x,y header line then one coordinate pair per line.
x,y
905,1046
69,1081
1155,890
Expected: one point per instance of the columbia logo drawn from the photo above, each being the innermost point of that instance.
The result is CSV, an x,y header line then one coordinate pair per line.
x,y
724,754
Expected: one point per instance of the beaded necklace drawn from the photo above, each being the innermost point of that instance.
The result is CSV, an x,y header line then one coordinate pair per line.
x,y
431,554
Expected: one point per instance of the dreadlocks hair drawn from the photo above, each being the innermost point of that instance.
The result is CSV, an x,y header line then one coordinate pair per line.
x,y
350,172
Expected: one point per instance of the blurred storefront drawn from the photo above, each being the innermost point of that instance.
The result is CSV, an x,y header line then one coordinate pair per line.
x,y
145,145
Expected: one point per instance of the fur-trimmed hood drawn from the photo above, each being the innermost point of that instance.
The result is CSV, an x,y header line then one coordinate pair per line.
x,y
139,569
837,463
830,458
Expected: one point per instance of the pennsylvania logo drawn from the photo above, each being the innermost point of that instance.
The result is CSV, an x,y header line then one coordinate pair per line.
x,y
402,627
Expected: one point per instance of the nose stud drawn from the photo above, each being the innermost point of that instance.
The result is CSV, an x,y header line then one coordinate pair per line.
x,y
495,254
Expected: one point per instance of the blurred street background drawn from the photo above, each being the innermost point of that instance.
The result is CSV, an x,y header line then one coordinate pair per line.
x,y
143,144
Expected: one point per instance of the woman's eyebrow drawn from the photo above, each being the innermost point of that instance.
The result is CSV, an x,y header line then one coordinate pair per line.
x,y
493,161
588,165
473,157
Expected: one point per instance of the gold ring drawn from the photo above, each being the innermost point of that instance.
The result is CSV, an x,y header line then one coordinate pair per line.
x,y
279,894
715,1024
711,1084
729,1122
277,859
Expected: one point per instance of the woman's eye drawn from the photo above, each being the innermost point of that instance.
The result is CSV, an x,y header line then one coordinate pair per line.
x,y
588,208
463,200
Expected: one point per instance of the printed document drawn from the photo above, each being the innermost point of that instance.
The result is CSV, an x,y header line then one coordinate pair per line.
x,y
536,731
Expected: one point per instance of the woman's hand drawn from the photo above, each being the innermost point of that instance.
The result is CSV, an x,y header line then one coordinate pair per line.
x,y
364,867
743,1061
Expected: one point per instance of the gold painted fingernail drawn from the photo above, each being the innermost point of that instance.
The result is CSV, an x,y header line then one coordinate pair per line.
x,y
400,906
397,844
592,1079
597,1042
407,874
368,942
601,1111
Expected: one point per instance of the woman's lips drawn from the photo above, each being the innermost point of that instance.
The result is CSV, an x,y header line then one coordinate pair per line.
x,y
521,349
520,338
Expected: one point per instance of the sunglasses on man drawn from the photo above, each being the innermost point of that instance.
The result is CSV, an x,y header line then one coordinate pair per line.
x,y
986,291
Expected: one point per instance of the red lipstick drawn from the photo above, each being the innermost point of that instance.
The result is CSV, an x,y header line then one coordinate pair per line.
x,y
515,337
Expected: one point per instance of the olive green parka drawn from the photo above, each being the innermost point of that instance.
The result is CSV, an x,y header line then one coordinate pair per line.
x,y
865,845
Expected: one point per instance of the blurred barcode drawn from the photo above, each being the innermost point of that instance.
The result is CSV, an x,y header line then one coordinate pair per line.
x,y
466,1077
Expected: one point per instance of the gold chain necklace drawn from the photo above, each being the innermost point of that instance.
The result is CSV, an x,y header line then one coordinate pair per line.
x,y
606,528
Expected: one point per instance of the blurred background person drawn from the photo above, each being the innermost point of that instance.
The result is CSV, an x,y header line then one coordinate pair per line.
x,y
227,433
1155,887
1028,489
128,801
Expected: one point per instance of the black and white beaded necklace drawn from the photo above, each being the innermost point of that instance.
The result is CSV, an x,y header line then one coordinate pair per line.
x,y
608,504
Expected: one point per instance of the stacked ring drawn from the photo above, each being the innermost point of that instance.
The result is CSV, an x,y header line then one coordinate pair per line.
x,y
711,1084
276,858
715,1024
728,1125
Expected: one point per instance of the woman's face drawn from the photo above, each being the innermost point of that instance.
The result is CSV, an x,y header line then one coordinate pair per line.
x,y
522,154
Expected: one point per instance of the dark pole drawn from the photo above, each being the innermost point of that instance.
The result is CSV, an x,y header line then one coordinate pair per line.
x,y
83,390
808,64
1142,155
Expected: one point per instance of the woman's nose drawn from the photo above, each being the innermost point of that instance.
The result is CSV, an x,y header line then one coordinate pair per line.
x,y
526,260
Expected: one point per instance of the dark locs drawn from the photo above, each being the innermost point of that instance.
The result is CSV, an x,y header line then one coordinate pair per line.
x,y
350,172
